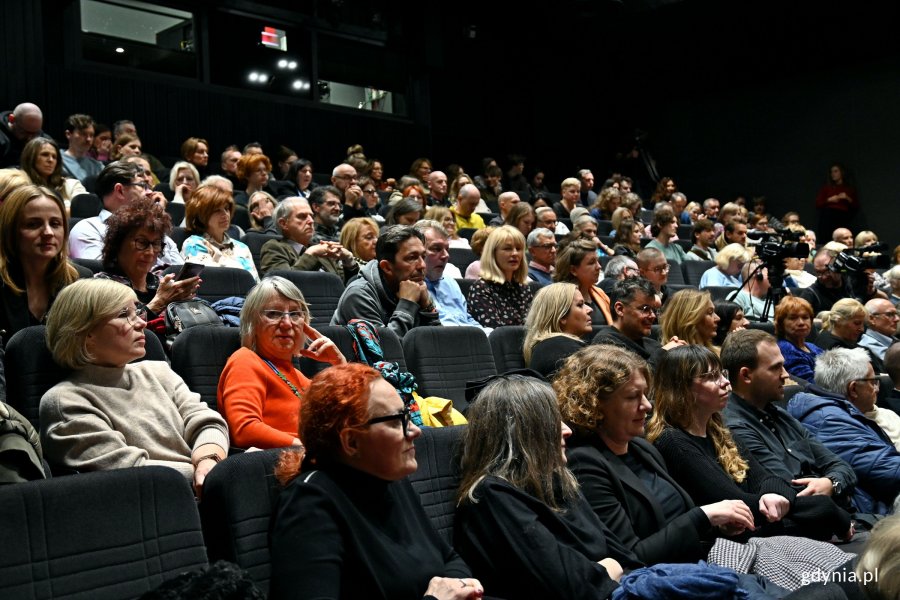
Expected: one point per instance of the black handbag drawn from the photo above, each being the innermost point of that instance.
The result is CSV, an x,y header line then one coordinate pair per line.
x,y
189,313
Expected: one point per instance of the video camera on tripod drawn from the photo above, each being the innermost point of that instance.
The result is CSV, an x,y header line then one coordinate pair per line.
x,y
774,248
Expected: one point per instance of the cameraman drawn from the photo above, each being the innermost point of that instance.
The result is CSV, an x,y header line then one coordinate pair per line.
x,y
831,286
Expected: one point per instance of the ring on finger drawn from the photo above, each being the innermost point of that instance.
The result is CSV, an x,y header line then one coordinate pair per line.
x,y
464,584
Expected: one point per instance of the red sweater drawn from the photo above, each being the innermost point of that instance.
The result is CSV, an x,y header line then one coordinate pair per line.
x,y
827,191
260,408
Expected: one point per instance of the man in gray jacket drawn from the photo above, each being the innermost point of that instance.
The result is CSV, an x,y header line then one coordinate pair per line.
x,y
391,289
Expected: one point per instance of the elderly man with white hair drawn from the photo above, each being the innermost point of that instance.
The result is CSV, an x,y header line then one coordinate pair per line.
x,y
881,326
839,410
542,248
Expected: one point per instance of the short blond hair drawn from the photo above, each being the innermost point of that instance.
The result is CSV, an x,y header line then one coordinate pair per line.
x,y
490,271
79,309
732,252
570,182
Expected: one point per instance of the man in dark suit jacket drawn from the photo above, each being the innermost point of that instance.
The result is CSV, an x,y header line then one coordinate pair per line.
x,y
294,219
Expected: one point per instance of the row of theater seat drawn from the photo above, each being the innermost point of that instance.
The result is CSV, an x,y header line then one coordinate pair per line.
x,y
115,535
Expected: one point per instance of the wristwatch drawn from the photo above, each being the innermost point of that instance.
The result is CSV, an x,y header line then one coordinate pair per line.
x,y
836,486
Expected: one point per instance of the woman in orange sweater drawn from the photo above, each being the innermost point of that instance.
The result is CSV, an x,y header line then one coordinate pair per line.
x,y
260,391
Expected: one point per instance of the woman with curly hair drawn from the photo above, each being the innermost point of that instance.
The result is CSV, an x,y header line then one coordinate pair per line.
x,y
607,203
252,171
690,389
664,190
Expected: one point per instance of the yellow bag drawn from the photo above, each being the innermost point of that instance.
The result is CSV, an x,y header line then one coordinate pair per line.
x,y
438,412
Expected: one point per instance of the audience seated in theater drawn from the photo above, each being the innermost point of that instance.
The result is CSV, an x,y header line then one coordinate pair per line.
x,y
635,306
731,318
491,188
260,392
690,316
555,328
118,184
135,235
438,192
727,272
344,179
703,236
843,326
184,179
109,414
146,175
664,190
734,232
619,216
689,392
33,263
881,327
441,282
375,170
325,202
126,145
78,163
522,523
663,228
196,151
654,268
752,297
586,194
443,216
584,227
501,295
285,157
777,440
467,200
261,208
607,203
253,174
542,248
793,323
694,211
41,162
207,218
125,126
228,164
294,219
301,175
570,189
602,392
348,523
17,128
839,410
479,238
359,237
577,263
391,290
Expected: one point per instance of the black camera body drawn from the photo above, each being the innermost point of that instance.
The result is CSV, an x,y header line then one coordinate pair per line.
x,y
856,261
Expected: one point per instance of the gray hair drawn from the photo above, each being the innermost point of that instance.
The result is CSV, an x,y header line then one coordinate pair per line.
x,y
617,264
284,210
536,234
182,164
262,292
893,273
836,368
424,225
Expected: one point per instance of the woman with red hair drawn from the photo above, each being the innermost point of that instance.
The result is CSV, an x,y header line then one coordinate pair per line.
x,y
253,171
348,523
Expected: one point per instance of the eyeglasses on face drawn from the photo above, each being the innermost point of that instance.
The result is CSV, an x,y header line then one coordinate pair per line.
x,y
403,416
547,246
141,244
647,310
714,376
133,313
275,316
874,381
891,315
661,269
140,184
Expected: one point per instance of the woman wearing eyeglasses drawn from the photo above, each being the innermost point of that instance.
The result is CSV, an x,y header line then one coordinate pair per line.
x,y
689,391
113,413
348,523
135,235
260,392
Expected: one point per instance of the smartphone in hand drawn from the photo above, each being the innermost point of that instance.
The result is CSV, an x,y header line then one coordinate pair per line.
x,y
189,270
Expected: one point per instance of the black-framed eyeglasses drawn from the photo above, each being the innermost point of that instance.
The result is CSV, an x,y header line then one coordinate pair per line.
x,y
140,184
548,246
403,416
141,244
890,315
661,269
368,191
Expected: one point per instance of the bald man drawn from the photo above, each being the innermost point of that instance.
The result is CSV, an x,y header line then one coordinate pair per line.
x,y
844,236
17,128
506,200
467,200
437,189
